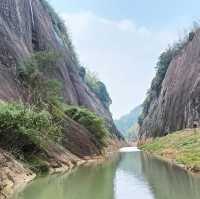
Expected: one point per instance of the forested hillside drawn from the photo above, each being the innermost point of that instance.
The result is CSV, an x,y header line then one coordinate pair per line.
x,y
128,124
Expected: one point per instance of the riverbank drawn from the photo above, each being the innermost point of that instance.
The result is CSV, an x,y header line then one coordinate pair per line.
x,y
181,148
15,174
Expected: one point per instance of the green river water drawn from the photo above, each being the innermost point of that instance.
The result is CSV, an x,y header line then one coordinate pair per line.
x,y
128,175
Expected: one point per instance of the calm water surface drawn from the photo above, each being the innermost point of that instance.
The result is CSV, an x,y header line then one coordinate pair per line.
x,y
127,176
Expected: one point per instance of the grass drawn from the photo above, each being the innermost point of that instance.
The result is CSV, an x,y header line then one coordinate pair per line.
x,y
183,147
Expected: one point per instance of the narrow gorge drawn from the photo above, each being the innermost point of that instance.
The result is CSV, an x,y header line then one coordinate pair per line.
x,y
71,73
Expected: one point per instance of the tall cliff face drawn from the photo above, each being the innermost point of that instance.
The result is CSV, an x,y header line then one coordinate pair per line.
x,y
178,104
27,26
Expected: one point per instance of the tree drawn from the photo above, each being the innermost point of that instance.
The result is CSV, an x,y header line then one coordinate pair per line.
x,y
98,88
33,72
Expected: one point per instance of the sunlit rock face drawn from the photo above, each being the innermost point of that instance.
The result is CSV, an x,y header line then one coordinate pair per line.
x,y
178,105
25,27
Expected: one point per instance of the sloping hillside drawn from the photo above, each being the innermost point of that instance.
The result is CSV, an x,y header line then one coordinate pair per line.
x,y
128,124
181,147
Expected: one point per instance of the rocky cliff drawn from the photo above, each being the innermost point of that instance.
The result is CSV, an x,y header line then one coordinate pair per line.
x,y
177,106
28,26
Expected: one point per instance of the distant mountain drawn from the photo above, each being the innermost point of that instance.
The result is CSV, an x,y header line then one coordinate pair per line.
x,y
128,124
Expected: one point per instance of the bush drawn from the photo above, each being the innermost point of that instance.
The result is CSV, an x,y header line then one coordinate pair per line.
x,y
98,88
21,125
94,124
32,72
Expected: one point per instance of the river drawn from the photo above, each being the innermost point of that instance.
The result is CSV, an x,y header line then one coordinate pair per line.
x,y
128,175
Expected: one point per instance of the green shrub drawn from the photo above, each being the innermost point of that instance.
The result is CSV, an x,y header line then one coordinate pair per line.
x,y
94,124
98,88
26,125
33,74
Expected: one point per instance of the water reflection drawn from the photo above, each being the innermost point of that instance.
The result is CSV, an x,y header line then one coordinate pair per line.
x,y
127,176
94,181
168,181
129,181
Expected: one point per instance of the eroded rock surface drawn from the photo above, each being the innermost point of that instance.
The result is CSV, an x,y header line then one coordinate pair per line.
x,y
26,27
12,174
178,105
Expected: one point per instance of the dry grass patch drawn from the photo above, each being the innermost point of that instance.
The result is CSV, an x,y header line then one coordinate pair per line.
x,y
182,146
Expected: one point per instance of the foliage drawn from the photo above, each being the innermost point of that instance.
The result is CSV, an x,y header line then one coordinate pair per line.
x,y
44,94
89,120
98,88
183,147
33,74
20,122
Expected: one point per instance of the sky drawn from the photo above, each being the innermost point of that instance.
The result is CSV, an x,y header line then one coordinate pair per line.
x,y
120,40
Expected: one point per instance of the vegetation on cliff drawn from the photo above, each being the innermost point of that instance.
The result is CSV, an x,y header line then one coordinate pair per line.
x,y
183,147
25,130
28,122
35,125
28,127
90,121
97,87
39,88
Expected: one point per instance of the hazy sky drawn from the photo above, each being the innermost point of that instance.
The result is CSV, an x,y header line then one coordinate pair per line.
x,y
121,40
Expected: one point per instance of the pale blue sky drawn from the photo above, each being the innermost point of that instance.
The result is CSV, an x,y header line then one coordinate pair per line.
x,y
121,39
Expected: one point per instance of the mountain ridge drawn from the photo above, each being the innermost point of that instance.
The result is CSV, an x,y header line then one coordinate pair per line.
x,y
127,123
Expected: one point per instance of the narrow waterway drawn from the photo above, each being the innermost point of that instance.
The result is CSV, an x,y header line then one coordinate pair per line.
x,y
128,175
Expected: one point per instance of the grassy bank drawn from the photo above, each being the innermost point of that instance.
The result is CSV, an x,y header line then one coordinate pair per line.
x,y
182,147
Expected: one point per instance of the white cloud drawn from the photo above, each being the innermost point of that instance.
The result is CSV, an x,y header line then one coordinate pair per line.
x,y
121,52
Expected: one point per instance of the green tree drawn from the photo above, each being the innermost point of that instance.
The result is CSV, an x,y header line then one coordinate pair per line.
x,y
98,88
33,74
23,125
